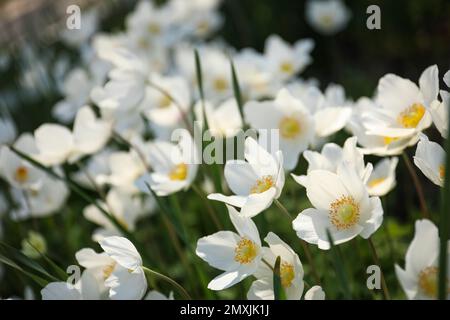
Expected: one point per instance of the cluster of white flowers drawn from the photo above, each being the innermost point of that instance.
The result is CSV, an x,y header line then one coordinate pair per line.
x,y
144,80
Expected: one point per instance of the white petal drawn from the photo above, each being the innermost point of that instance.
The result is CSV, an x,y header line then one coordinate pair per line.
x,y
122,251
429,84
218,250
126,285
60,291
315,293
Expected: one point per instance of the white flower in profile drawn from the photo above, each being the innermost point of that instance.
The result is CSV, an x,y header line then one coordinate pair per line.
x,y
18,172
430,159
237,254
284,61
256,182
439,110
402,111
315,293
224,120
291,272
127,280
174,166
341,204
419,279
290,117
57,144
327,16
382,179
125,208
8,131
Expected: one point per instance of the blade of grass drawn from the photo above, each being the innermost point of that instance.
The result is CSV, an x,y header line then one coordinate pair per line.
x,y
339,267
236,89
278,290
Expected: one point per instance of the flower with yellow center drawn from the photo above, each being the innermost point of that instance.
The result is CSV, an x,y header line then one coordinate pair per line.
x,y
410,117
164,102
220,84
429,158
179,172
428,281
287,67
108,270
442,171
287,274
344,212
262,185
237,254
21,174
289,127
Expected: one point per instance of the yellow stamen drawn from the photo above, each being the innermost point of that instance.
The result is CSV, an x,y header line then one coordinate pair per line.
x,y
326,20
344,212
164,102
287,67
21,174
154,28
410,117
245,251
374,182
179,172
428,281
263,184
203,27
108,270
289,127
442,171
220,84
287,274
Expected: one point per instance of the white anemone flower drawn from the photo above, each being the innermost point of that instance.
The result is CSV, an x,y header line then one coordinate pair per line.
x,y
315,293
430,159
327,16
174,166
256,182
382,179
57,144
439,110
290,117
291,272
18,172
127,279
284,61
402,111
419,279
341,205
237,254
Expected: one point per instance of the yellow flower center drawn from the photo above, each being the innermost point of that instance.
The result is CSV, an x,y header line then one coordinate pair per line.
x,y
220,84
245,251
263,184
410,117
428,281
344,212
287,274
374,182
442,171
108,270
21,174
154,28
289,127
287,67
179,172
164,102
326,20
389,140
203,26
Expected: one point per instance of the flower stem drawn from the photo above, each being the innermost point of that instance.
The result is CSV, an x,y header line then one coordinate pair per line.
x,y
418,186
175,284
209,208
302,242
386,294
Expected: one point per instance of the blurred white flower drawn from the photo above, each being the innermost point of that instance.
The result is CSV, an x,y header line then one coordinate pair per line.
x,y
97,166
237,254
57,144
440,110
8,131
291,272
174,167
290,117
255,183
341,205
382,180
419,279
315,293
327,16
430,159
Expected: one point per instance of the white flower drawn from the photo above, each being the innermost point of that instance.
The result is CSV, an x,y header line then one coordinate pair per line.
x,y
125,208
8,131
57,144
430,159
290,117
18,172
174,166
402,111
155,295
93,171
341,205
315,293
127,280
239,255
440,110
419,278
291,272
255,183
327,16
284,60
224,120
382,180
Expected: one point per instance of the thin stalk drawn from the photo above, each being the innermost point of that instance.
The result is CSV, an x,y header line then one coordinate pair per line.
x,y
140,154
386,294
172,282
418,186
209,208
303,244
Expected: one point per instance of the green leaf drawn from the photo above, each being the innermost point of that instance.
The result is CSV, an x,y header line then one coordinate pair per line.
x,y
339,267
198,71
236,89
278,289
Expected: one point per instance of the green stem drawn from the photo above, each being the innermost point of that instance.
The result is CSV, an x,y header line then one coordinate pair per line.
x,y
172,282
209,208
386,294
